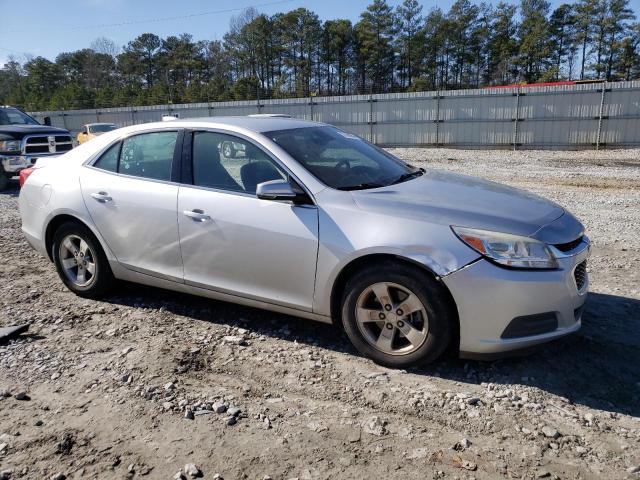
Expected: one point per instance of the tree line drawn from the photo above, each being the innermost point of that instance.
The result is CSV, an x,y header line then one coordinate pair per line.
x,y
295,54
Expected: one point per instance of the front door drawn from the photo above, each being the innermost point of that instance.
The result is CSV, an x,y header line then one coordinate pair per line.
x,y
235,243
132,201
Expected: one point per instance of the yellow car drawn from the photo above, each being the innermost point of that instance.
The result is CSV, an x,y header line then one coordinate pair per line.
x,y
92,130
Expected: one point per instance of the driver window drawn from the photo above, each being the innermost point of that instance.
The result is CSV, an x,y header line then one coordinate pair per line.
x,y
231,163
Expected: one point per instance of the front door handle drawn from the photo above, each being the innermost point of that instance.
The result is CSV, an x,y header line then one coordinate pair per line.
x,y
102,197
197,215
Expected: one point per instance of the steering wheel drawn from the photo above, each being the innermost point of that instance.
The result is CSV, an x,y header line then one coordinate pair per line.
x,y
344,163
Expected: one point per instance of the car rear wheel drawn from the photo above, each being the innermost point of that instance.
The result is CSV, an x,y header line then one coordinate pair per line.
x,y
397,315
80,261
4,179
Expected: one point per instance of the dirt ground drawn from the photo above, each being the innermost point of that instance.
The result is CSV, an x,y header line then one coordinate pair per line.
x,y
129,387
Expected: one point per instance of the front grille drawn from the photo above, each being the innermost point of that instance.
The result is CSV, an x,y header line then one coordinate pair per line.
x,y
36,140
47,145
567,247
580,275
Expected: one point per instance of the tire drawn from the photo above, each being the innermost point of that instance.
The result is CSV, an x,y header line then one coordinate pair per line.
x,y
98,280
4,179
430,326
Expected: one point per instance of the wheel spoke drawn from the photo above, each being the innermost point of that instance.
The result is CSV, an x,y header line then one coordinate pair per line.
x,y
84,248
68,263
381,291
91,267
415,336
410,305
81,276
68,244
368,315
385,340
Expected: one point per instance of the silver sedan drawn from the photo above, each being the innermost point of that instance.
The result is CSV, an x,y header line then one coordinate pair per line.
x,y
314,222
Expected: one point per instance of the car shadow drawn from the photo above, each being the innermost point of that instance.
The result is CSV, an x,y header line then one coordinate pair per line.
x,y
597,367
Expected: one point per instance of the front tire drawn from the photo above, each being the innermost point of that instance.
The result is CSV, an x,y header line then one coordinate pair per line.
x,y
397,315
4,179
80,261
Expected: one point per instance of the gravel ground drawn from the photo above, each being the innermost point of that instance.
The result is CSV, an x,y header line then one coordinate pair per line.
x,y
154,384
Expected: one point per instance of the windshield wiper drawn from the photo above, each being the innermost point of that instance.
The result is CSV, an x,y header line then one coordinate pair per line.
x,y
407,176
362,186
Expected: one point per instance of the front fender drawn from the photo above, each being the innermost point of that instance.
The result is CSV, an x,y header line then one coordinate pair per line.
x,y
347,235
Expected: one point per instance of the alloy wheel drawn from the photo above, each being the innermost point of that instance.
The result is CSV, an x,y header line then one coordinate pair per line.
x,y
77,260
392,318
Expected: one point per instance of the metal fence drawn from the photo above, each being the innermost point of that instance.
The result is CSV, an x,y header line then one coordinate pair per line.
x,y
604,115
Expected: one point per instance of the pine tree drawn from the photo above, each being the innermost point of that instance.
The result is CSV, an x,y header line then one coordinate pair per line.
x,y
585,22
375,33
562,35
533,35
503,47
409,27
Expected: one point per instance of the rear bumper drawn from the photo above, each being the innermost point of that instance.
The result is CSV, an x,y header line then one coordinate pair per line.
x,y
489,298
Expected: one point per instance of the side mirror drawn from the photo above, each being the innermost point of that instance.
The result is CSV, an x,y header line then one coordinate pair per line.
x,y
281,190
47,121
275,190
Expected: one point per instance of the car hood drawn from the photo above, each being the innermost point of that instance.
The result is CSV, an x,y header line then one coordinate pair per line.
x,y
454,199
17,132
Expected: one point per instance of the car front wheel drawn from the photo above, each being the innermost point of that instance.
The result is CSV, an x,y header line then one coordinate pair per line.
x,y
397,315
80,261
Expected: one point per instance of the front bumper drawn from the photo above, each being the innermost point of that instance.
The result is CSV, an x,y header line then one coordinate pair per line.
x,y
490,297
14,164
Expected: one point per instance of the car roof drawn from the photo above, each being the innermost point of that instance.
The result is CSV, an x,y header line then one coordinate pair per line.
x,y
256,124
99,123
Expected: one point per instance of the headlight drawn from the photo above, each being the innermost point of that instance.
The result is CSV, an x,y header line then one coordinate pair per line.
x,y
9,145
506,249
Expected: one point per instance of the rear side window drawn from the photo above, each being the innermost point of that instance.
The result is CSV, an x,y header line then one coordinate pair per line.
x,y
109,159
149,155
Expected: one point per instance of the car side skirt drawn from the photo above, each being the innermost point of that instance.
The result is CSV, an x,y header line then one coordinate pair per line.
x,y
128,275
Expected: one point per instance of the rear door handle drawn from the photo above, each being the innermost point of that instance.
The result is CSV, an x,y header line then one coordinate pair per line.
x,y
197,215
102,197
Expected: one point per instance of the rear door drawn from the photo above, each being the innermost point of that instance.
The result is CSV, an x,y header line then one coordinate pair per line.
x,y
234,242
131,195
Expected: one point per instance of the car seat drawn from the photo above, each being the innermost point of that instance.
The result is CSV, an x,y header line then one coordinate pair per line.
x,y
257,172
207,167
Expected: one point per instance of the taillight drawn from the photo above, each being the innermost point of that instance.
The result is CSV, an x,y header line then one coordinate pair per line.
x,y
24,174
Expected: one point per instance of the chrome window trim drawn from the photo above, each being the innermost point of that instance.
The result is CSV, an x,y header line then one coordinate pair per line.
x,y
89,163
133,177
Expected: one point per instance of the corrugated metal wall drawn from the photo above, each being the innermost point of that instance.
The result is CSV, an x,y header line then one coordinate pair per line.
x,y
605,115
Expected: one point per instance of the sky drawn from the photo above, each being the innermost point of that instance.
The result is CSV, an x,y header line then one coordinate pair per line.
x,y
47,28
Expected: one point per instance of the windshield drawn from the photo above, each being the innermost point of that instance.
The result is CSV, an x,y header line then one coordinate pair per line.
x,y
13,116
101,127
341,160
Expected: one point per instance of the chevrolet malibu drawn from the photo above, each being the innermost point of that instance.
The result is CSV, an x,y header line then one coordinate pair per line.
x,y
317,223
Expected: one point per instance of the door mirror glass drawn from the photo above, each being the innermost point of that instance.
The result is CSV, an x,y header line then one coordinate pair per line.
x,y
276,190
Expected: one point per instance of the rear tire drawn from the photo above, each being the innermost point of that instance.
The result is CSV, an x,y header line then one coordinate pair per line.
x,y
4,180
413,324
80,261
